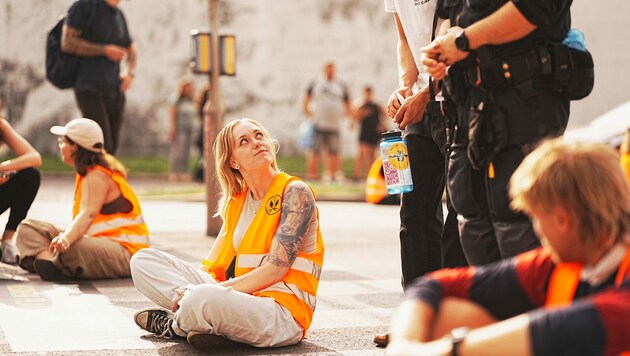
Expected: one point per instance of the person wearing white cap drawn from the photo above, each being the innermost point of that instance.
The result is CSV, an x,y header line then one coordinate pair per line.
x,y
107,226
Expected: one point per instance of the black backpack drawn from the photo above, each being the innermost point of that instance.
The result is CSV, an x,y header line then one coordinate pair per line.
x,y
61,68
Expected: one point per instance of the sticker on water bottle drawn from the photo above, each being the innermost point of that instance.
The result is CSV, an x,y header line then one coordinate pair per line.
x,y
398,157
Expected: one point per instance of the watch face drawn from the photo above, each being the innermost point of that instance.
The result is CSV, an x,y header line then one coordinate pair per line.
x,y
461,42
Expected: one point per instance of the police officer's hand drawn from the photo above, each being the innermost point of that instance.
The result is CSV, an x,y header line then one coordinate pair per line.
x,y
412,110
429,59
115,53
449,53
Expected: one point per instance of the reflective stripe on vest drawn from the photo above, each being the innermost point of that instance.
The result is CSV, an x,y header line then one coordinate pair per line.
x,y
116,223
128,229
290,288
300,264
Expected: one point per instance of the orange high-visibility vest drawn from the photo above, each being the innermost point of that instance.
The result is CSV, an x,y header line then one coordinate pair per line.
x,y
566,277
297,290
375,186
128,229
624,160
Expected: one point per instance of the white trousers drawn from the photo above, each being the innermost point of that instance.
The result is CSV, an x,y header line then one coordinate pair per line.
x,y
208,307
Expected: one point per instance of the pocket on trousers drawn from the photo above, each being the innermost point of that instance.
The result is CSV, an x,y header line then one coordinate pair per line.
x,y
464,184
504,163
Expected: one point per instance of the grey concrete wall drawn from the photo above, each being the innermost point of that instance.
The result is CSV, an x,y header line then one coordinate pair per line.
x,y
281,47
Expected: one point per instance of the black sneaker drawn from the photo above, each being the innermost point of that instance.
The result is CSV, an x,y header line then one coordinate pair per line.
x,y
208,342
48,272
28,264
155,320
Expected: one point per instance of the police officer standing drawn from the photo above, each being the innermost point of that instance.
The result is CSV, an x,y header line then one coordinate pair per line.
x,y
502,76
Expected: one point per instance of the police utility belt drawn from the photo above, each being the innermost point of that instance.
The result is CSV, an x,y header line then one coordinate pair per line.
x,y
565,70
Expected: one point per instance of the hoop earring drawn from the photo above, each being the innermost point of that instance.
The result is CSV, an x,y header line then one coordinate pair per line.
x,y
237,166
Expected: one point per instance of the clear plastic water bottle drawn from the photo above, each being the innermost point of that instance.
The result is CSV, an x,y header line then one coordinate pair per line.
x,y
396,166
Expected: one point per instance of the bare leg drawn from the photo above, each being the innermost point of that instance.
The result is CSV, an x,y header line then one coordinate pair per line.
x,y
312,164
334,165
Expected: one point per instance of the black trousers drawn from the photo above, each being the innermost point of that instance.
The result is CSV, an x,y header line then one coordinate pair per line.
x,y
18,194
421,217
106,110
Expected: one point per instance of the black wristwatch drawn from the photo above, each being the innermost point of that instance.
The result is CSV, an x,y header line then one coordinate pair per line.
x,y
457,336
461,42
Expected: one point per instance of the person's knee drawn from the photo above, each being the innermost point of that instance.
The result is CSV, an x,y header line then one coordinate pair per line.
x,y
209,294
140,260
25,229
31,176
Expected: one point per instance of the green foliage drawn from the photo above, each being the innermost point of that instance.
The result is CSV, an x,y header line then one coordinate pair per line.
x,y
159,165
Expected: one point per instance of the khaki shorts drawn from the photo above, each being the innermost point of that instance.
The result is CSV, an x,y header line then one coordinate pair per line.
x,y
328,140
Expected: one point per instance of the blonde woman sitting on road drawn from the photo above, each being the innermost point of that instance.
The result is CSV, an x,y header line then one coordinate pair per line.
x,y
258,285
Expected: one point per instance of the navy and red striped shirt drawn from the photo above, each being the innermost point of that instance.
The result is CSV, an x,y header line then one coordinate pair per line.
x,y
596,323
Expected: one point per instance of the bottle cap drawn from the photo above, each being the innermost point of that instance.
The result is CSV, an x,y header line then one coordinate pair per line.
x,y
392,133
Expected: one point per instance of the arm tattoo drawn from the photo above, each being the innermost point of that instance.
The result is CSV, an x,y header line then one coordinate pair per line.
x,y
72,42
298,207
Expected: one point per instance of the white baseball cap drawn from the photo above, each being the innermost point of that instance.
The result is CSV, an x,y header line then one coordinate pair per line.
x,y
84,132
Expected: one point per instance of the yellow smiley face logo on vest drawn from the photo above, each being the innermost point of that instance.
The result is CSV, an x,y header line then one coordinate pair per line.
x,y
397,156
273,205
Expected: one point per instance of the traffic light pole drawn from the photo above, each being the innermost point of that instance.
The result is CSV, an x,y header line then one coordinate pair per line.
x,y
213,121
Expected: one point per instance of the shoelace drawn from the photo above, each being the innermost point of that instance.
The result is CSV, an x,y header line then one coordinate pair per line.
x,y
160,324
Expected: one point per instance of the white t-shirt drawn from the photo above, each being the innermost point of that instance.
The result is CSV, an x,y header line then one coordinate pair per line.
x,y
416,17
328,102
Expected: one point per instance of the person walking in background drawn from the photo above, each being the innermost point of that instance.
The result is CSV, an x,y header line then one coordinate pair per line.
x,y
201,100
183,117
326,103
370,117
569,297
107,226
258,285
96,30
19,183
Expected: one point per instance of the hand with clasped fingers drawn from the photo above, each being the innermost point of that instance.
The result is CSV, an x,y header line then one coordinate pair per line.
x,y
441,53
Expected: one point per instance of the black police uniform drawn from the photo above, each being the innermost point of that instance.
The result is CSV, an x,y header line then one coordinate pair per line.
x,y
519,108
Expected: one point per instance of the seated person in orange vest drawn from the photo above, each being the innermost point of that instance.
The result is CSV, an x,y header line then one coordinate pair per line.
x,y
569,297
258,285
107,226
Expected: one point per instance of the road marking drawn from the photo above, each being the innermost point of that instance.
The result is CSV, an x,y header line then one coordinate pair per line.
x,y
339,318
66,317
